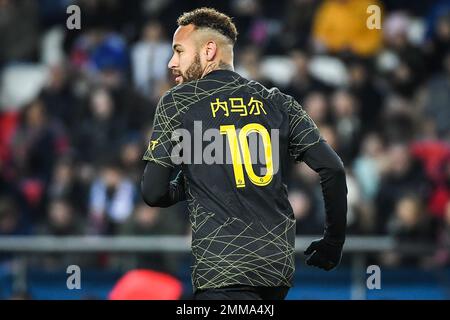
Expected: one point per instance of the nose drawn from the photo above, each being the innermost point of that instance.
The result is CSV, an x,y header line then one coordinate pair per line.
x,y
173,63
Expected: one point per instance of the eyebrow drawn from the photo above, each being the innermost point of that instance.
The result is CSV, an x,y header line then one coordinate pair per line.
x,y
177,46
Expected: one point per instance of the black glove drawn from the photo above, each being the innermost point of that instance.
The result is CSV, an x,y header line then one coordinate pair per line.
x,y
324,254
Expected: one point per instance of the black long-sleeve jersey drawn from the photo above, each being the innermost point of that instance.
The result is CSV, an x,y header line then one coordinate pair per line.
x,y
243,227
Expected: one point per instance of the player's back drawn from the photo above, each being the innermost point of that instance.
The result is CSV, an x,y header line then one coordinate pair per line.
x,y
238,116
236,138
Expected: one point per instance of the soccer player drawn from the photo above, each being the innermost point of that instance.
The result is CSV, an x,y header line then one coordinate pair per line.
x,y
243,227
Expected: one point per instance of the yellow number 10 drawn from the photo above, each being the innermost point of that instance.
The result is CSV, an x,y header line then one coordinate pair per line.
x,y
233,139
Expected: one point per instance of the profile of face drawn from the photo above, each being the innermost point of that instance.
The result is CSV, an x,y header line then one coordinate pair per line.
x,y
343,104
35,115
408,211
60,213
63,173
400,159
447,213
146,216
300,203
330,135
111,176
102,105
188,60
372,145
152,31
130,154
300,60
316,106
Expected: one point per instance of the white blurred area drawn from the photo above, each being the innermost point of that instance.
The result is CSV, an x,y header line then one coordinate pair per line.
x,y
21,84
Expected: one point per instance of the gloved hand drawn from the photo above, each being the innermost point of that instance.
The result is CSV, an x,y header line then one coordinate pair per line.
x,y
323,254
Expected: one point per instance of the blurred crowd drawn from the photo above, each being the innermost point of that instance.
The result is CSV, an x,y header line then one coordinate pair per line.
x,y
77,107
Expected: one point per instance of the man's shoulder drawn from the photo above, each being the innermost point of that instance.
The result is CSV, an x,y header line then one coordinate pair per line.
x,y
166,98
179,89
184,89
272,93
179,98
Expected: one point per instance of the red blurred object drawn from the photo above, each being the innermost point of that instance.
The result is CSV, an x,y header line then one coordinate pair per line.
x,y
33,190
146,285
433,154
438,201
9,122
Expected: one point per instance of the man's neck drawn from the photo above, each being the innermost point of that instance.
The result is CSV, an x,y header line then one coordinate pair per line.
x,y
217,66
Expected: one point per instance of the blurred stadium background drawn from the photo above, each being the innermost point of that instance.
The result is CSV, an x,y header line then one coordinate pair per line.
x,y
76,110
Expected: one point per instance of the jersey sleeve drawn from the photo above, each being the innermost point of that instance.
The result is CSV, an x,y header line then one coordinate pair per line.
x,y
303,132
167,120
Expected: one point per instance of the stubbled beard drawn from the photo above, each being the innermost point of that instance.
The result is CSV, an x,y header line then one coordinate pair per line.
x,y
194,72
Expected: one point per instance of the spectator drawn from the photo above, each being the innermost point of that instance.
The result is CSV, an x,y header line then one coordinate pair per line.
x,y
37,142
399,120
111,200
341,26
410,226
316,104
368,166
345,110
148,221
99,135
310,212
299,15
12,218
307,221
62,220
438,100
409,68
249,65
439,44
404,175
59,99
359,221
362,85
130,157
18,20
65,184
149,59
13,221
440,195
329,134
441,258
99,50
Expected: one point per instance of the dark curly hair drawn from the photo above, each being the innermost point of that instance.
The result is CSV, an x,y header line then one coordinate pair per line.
x,y
210,18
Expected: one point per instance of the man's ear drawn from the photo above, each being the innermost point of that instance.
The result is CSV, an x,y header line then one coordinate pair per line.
x,y
210,50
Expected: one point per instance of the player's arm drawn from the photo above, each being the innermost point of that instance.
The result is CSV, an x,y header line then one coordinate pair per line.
x,y
305,144
326,252
157,189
